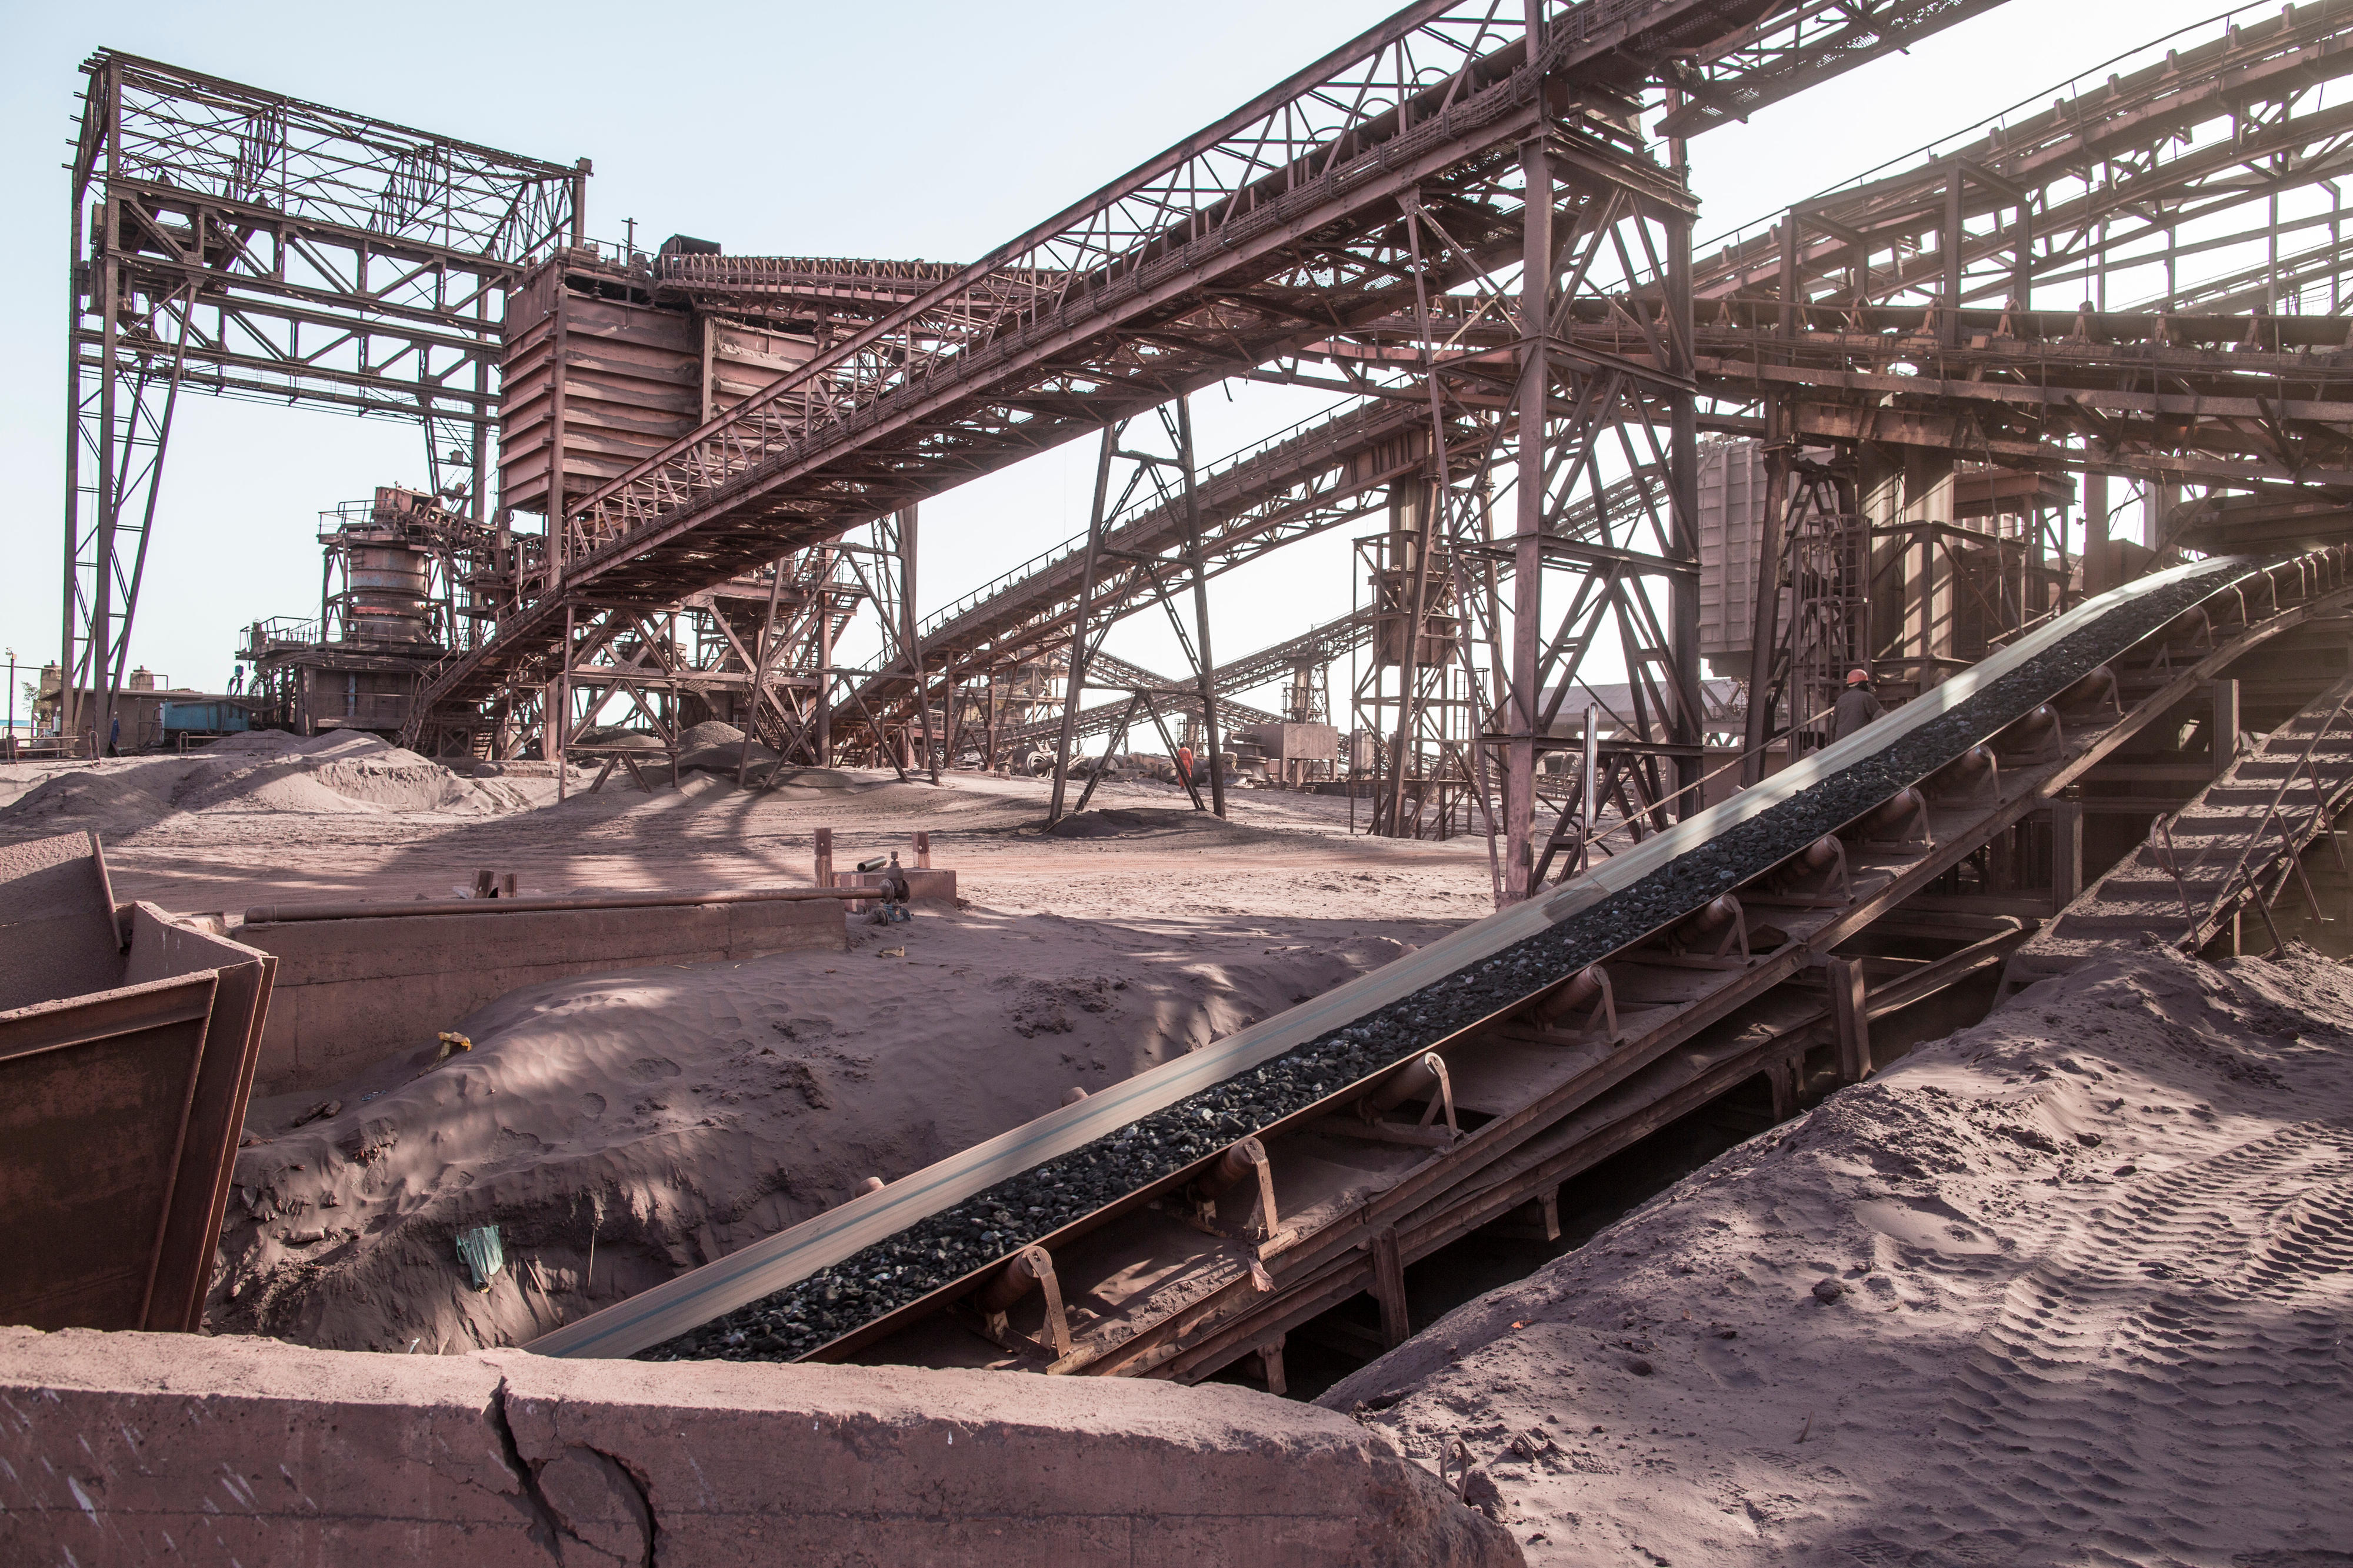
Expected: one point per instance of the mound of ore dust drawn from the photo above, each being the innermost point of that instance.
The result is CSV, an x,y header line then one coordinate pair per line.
x,y
677,1114
335,774
2071,1286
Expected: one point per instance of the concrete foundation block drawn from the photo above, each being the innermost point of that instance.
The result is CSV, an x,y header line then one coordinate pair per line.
x,y
350,992
132,1448
138,1449
742,1463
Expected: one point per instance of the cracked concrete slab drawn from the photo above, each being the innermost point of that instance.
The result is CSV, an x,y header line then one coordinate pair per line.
x,y
123,1449
743,1463
128,1448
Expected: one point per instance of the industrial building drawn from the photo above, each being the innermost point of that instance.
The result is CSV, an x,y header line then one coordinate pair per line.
x,y
1889,621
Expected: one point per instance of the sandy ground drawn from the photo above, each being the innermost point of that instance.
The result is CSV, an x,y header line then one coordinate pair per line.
x,y
1278,854
673,1115
677,1114
2072,1286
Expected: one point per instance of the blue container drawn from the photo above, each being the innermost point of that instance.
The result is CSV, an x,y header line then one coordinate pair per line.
x,y
205,719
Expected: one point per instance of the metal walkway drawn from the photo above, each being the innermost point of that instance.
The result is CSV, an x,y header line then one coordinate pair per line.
x,y
2238,845
1249,239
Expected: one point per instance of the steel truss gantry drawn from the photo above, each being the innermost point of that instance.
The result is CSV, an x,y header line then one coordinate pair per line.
x,y
2112,285
241,243
1364,190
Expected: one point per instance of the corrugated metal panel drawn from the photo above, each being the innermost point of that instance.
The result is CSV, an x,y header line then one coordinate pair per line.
x,y
637,375
1731,510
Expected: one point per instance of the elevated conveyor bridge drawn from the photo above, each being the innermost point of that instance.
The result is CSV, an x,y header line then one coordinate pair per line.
x,y
1282,222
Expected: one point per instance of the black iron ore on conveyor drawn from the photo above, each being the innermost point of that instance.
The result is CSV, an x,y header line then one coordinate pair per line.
x,y
994,1223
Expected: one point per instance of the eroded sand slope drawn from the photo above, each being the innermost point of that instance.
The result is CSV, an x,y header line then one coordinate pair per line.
x,y
2072,1286
677,1114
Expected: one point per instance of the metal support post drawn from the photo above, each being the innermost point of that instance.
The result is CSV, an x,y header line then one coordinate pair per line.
x,y
1527,543
1389,1288
1766,634
2066,852
911,638
2099,562
1074,690
2222,723
825,567
1200,563
1850,1018
1682,519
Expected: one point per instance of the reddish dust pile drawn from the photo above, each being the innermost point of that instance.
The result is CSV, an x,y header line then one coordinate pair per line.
x,y
2072,1286
1281,854
263,773
673,1115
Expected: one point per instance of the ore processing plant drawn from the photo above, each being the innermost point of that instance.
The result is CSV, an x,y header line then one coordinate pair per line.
x,y
1900,428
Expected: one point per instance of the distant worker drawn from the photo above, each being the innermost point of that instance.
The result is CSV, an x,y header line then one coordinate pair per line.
x,y
1858,705
1184,764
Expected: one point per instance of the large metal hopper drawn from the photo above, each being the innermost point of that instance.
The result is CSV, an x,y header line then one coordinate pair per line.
x,y
127,1050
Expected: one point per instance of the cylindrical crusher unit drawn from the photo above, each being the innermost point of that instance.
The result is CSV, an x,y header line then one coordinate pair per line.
x,y
385,590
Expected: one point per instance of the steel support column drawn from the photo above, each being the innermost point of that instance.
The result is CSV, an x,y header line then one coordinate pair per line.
x,y
1204,666
1074,690
1683,508
1533,401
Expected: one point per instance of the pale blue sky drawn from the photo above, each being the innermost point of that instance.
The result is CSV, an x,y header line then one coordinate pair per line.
x,y
922,129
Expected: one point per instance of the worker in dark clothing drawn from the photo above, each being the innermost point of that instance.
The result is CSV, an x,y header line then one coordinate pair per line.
x,y
1858,705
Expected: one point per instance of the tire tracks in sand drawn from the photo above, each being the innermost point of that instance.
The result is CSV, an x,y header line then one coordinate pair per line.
x,y
2176,1357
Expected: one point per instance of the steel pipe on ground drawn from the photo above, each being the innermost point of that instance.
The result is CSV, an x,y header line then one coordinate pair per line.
x,y
279,914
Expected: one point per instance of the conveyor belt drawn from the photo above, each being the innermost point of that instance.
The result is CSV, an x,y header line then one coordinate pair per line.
x,y
843,1277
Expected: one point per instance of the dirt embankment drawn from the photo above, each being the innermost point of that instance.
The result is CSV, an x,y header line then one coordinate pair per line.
x,y
342,773
670,1116
2072,1286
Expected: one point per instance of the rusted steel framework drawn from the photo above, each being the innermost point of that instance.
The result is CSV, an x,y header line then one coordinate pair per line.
x,y
2112,285
405,579
1300,482
2131,283
755,652
237,242
1302,214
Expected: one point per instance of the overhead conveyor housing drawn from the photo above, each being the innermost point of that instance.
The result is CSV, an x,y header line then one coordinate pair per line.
x,y
840,1282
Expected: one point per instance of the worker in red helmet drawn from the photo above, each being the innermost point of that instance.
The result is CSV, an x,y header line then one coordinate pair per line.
x,y
1184,764
1858,705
